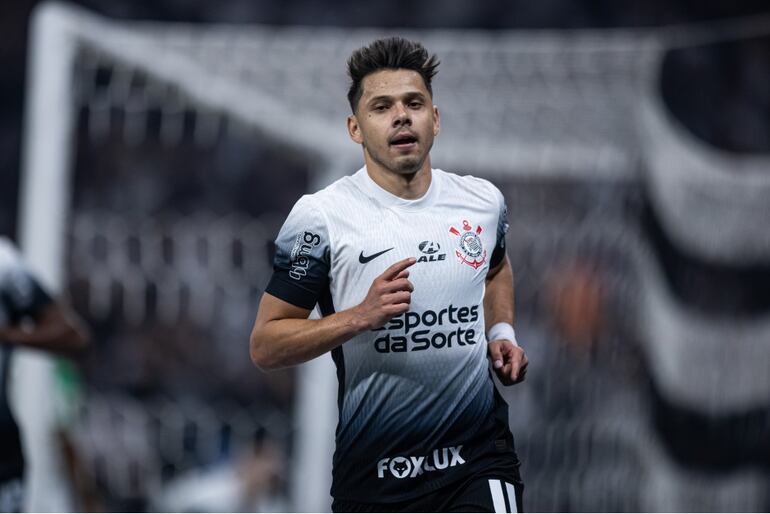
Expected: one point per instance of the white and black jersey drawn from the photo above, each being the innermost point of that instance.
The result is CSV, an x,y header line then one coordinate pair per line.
x,y
20,296
418,408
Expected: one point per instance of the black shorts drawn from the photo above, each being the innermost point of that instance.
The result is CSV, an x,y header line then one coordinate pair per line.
x,y
491,493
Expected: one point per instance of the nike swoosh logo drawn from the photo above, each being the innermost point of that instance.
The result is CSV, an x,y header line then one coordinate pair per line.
x,y
363,259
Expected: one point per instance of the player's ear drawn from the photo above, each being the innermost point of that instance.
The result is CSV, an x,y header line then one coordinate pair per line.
x,y
436,121
354,129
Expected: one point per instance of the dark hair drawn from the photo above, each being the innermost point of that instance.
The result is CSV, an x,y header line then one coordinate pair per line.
x,y
389,54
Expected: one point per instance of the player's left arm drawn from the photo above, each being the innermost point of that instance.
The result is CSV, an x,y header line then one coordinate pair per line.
x,y
54,328
508,359
39,320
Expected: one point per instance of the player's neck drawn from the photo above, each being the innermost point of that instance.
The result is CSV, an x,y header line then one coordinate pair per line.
x,y
408,187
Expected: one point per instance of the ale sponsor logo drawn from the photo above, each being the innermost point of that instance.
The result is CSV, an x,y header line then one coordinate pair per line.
x,y
430,252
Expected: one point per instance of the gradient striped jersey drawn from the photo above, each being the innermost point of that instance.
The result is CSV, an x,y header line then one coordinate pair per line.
x,y
417,406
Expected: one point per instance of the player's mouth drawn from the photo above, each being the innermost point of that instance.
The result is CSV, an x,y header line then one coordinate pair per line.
x,y
403,141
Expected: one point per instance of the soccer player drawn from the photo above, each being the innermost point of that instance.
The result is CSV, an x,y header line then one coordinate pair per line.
x,y
408,267
29,317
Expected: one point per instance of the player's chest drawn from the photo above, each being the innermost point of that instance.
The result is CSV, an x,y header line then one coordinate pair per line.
x,y
451,247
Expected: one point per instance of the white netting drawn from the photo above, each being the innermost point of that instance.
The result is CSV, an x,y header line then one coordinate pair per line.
x,y
556,103
213,256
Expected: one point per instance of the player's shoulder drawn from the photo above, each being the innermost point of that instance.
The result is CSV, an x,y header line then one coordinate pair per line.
x,y
9,254
340,192
470,185
465,180
6,244
8,251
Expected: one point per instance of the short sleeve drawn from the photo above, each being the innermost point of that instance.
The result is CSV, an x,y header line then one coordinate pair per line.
x,y
302,257
498,254
20,293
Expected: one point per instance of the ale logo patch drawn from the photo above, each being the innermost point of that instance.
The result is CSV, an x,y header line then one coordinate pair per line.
x,y
430,251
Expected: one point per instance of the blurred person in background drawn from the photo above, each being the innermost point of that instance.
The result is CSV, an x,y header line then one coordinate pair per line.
x,y
408,266
31,318
249,482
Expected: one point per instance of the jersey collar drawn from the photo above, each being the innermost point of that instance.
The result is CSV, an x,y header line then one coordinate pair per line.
x,y
388,199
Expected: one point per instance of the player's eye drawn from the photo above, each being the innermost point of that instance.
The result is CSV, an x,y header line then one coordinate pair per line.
x,y
415,104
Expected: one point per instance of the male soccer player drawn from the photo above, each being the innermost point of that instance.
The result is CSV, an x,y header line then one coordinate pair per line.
x,y
29,317
407,265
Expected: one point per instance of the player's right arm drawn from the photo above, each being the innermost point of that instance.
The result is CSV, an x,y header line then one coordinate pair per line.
x,y
36,320
283,336
56,328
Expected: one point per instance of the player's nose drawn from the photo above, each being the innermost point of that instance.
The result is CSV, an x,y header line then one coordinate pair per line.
x,y
401,116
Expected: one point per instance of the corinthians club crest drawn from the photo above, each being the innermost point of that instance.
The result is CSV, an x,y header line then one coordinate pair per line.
x,y
471,251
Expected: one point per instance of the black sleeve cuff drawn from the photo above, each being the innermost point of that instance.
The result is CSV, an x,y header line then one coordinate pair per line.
x,y
38,300
41,299
289,290
497,256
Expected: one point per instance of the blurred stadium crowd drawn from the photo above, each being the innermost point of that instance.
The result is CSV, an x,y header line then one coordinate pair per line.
x,y
169,245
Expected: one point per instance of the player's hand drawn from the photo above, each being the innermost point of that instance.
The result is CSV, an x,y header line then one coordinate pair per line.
x,y
508,360
389,295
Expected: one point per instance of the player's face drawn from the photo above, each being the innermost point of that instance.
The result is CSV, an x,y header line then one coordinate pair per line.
x,y
396,121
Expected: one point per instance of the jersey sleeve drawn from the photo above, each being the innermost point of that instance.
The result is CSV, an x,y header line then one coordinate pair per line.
x,y
502,229
302,257
20,292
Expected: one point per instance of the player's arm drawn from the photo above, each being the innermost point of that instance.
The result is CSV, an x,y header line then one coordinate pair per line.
x,y
37,320
283,336
53,327
498,297
508,359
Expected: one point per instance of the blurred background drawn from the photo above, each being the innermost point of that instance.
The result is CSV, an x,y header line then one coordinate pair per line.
x,y
163,143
